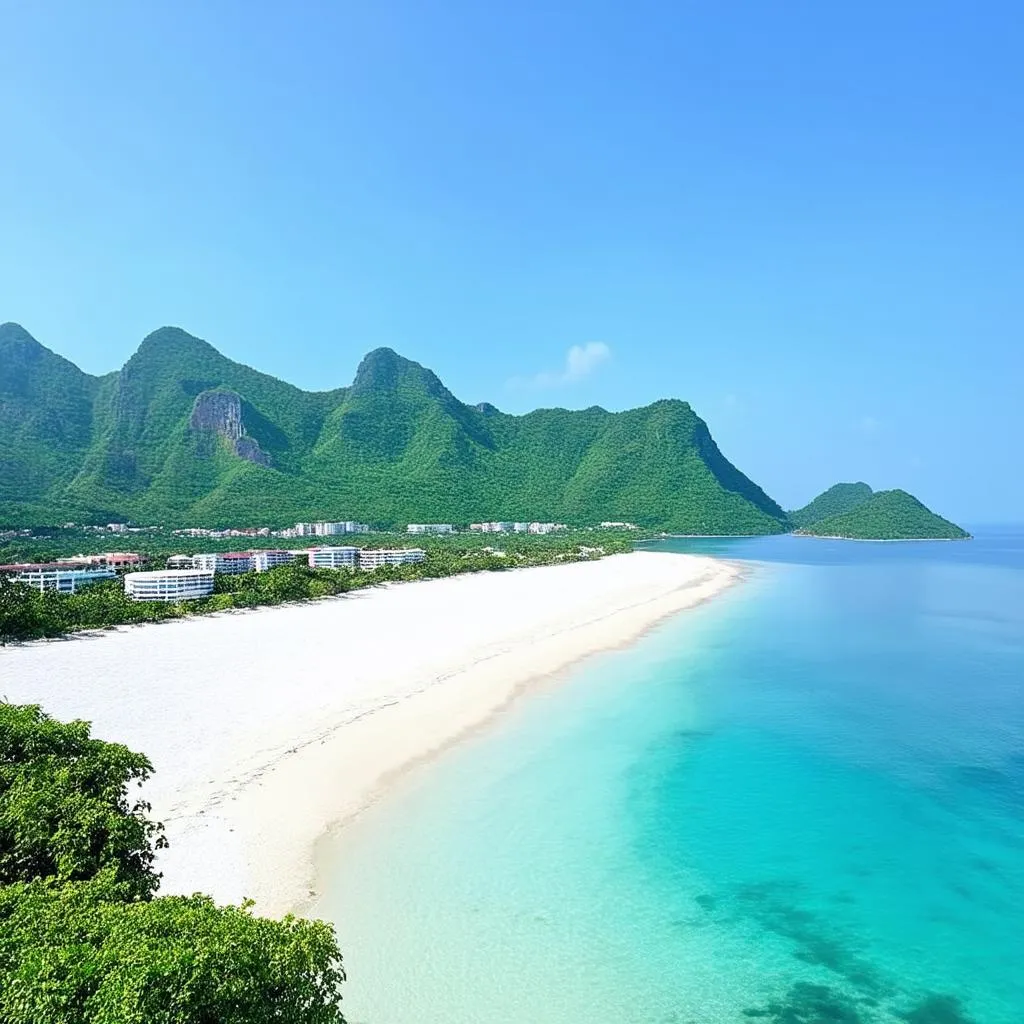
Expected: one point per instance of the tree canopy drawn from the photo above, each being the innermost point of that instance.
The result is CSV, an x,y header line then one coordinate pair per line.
x,y
83,937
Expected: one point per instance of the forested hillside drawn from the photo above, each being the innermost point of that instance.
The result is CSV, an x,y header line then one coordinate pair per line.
x,y
181,434
887,515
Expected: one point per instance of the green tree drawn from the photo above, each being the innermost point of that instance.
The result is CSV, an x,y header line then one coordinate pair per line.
x,y
83,940
75,954
19,618
64,806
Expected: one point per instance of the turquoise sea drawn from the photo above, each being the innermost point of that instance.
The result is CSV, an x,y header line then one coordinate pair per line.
x,y
802,803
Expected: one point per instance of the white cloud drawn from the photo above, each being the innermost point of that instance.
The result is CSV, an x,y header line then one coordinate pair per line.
x,y
580,362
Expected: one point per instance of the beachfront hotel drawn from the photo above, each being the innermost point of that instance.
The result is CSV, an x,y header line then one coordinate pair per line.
x,y
64,577
169,585
333,557
430,528
264,560
231,563
374,558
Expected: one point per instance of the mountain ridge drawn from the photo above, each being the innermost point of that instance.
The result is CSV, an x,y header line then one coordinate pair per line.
x,y
183,434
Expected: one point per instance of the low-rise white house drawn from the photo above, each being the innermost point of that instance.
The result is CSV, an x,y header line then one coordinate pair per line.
x,y
374,558
430,528
491,527
169,585
59,576
333,557
180,562
231,563
264,560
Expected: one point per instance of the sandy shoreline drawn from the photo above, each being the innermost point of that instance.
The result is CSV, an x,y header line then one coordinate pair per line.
x,y
269,728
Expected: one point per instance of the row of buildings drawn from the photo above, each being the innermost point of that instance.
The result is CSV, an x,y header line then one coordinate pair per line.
x,y
67,575
517,527
323,529
232,563
487,527
190,577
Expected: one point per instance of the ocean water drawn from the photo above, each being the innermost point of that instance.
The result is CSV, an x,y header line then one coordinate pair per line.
x,y
802,803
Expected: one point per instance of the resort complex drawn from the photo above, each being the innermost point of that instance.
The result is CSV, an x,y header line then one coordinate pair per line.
x,y
64,577
231,563
190,577
169,585
333,557
366,559
68,574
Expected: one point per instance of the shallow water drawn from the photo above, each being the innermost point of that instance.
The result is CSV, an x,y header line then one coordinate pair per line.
x,y
802,803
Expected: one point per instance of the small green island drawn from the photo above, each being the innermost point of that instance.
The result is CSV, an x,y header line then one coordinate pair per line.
x,y
856,512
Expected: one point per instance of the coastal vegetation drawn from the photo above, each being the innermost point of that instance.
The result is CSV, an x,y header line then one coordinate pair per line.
x,y
84,937
182,435
26,613
887,515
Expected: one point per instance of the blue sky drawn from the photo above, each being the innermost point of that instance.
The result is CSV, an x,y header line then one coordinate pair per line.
x,y
806,219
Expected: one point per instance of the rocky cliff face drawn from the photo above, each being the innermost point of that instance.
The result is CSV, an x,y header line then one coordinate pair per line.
x,y
220,412
247,448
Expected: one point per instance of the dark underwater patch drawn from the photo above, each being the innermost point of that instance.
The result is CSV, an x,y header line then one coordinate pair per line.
x,y
773,905
937,1009
805,1003
706,901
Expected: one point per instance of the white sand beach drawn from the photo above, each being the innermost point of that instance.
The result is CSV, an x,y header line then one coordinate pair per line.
x,y
268,728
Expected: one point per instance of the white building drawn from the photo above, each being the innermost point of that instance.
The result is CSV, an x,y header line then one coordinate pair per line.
x,y
169,585
430,528
374,558
59,576
264,560
491,527
110,560
231,563
333,557
180,562
329,529
547,527
618,526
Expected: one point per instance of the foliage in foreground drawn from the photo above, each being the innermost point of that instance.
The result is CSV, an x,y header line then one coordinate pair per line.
x,y
77,953
83,940
64,808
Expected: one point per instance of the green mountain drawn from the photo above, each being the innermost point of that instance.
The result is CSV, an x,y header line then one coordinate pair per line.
x,y
46,416
887,515
836,500
182,434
